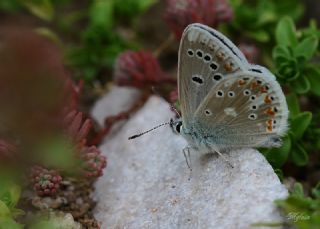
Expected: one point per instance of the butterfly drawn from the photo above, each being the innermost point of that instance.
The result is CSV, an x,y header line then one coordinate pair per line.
x,y
226,103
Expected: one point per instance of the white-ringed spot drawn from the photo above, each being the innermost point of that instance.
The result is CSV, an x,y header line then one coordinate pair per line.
x,y
252,116
219,94
198,79
207,58
247,92
199,53
253,97
213,66
217,76
231,94
254,107
208,112
190,52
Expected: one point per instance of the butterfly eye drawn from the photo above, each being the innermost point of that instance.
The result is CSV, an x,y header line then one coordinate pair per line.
x,y
231,94
178,127
190,52
252,116
199,53
219,93
247,92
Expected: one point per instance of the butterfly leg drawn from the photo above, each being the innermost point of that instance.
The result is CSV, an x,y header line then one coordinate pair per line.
x,y
224,158
186,154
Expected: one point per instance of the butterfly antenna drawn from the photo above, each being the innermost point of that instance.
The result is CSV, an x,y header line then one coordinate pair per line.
x,y
175,110
156,127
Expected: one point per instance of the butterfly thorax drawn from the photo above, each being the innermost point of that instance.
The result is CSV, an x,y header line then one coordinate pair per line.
x,y
197,137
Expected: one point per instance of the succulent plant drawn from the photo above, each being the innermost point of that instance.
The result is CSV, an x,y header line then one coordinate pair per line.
x,y
138,69
93,161
45,182
180,13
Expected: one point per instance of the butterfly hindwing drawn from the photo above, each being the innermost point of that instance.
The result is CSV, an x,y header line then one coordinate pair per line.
x,y
206,57
245,109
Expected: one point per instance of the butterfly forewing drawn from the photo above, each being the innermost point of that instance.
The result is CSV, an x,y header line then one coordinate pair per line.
x,y
206,57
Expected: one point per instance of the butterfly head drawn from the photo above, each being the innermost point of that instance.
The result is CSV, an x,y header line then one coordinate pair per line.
x,y
176,125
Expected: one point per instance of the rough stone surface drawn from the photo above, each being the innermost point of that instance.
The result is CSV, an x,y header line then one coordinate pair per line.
x,y
117,100
147,185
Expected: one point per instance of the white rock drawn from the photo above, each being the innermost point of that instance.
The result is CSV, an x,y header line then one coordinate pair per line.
x,y
117,100
146,183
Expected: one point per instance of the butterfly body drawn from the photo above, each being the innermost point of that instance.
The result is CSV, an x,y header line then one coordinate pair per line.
x,y
226,102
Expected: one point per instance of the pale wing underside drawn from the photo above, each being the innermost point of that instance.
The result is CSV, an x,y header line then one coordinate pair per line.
x,y
245,109
205,58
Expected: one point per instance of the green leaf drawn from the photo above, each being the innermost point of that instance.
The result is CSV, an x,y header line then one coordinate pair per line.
x,y
307,47
289,70
101,14
15,192
286,32
316,191
278,156
4,210
40,8
10,194
301,85
281,53
297,190
298,155
300,123
145,4
293,104
259,35
279,174
8,223
313,75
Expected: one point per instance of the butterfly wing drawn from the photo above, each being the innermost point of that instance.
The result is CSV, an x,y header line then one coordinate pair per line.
x,y
205,58
246,109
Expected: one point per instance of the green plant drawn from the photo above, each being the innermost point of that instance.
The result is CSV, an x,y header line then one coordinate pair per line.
x,y
301,211
9,197
100,43
257,19
293,57
298,72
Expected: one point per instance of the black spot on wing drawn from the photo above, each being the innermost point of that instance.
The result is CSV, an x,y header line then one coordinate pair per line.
x,y
220,39
255,70
197,79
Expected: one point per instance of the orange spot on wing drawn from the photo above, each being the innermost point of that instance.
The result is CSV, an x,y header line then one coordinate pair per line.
x,y
269,128
242,82
269,122
263,90
228,67
254,85
267,99
270,111
220,56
